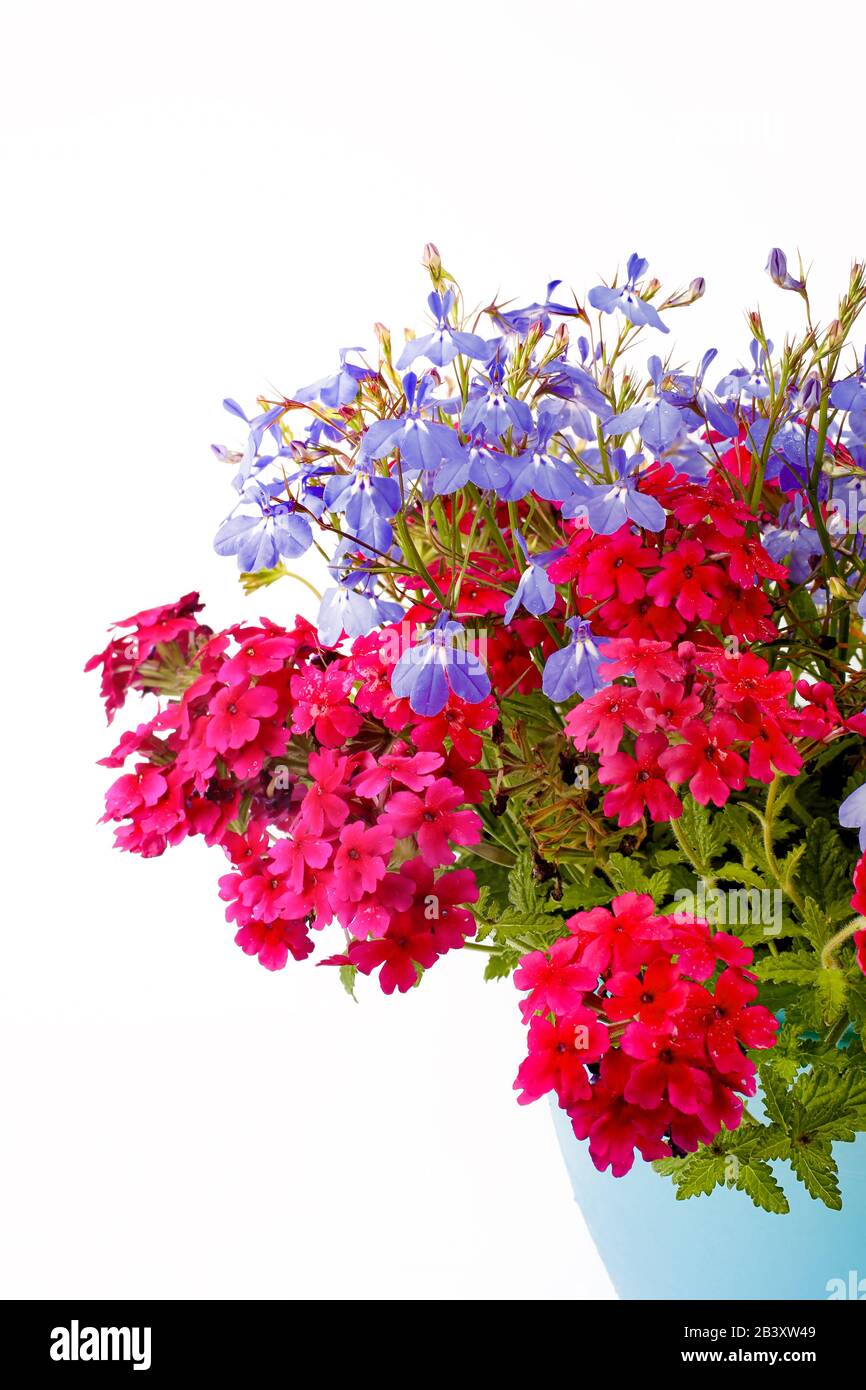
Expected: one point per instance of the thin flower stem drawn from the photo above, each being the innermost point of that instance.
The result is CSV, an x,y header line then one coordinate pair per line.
x,y
827,955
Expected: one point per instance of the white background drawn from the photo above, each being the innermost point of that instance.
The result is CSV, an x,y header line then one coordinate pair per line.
x,y
210,199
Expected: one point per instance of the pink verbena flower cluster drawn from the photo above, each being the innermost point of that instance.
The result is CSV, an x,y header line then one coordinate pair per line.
x,y
627,1032
333,801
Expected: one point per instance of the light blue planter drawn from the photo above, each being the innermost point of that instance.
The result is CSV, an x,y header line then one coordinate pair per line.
x,y
721,1246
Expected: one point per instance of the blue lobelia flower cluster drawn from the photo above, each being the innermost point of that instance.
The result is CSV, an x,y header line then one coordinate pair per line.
x,y
509,408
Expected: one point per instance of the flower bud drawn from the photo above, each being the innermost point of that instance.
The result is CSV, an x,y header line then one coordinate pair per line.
x,y
777,266
835,334
534,336
432,261
384,336
777,269
756,323
560,339
696,288
838,588
810,392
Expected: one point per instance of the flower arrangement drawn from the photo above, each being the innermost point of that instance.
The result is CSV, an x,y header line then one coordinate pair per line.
x,y
585,697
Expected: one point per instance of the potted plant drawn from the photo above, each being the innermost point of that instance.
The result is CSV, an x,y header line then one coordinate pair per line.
x,y
584,698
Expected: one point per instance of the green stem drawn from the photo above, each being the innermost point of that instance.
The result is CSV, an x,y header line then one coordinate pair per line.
x,y
832,946
767,819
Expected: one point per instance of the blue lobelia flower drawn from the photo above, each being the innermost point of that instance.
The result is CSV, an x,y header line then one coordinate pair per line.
x,y
477,464
793,542
607,506
569,416
259,424
272,530
520,321
442,346
535,592
659,423
777,269
573,670
852,813
850,395
250,461
753,383
424,444
364,498
791,455
688,393
352,605
339,389
535,470
490,408
626,298
436,665
846,507
571,382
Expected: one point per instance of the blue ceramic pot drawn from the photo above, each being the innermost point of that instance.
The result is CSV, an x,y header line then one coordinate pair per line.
x,y
721,1246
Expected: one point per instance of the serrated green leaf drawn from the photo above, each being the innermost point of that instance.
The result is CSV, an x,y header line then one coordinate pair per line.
x,y
738,873
788,865
500,964
742,830
757,1180
629,876
857,1001
814,1165
523,891
626,874
815,924
700,1173
777,1101
828,1104
832,988
577,897
824,871
704,832
793,967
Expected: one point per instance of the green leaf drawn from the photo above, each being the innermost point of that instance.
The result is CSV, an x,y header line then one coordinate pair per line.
x,y
825,867
523,891
700,1173
829,1104
816,924
500,964
738,873
348,975
777,1101
628,876
793,967
814,1165
757,1180
742,830
704,832
857,1001
577,897
832,988
260,579
788,865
